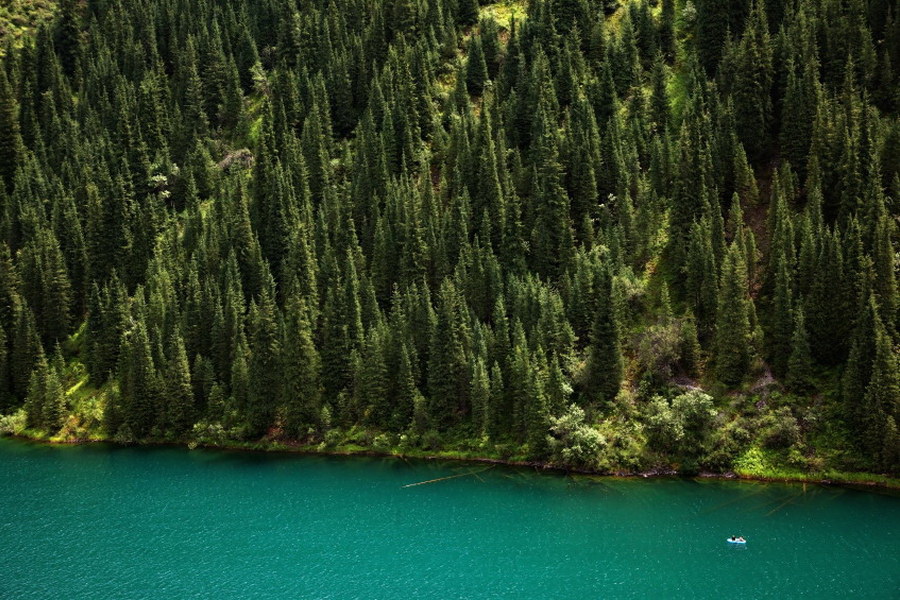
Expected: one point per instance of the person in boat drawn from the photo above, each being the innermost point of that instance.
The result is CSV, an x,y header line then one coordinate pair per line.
x,y
741,539
733,539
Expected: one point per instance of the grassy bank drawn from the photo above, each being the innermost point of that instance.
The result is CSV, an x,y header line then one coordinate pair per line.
x,y
763,470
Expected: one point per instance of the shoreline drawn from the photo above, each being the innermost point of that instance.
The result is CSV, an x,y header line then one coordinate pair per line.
x,y
878,481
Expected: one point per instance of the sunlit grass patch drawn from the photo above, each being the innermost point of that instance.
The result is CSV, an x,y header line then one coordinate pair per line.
x,y
19,17
504,12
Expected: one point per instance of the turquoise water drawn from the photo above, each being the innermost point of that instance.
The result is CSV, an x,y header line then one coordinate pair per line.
x,y
106,522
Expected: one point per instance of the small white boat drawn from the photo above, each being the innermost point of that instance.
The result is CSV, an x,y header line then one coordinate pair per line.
x,y
736,541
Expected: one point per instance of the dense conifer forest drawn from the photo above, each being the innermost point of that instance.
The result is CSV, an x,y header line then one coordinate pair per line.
x,y
600,234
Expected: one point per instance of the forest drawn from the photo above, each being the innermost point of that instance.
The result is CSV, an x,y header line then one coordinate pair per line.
x,y
594,234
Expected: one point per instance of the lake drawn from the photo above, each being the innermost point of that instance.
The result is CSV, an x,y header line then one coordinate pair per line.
x,y
112,522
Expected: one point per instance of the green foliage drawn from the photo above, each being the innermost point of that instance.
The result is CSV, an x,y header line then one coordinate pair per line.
x,y
438,225
574,443
605,366
779,429
682,425
733,320
799,375
18,18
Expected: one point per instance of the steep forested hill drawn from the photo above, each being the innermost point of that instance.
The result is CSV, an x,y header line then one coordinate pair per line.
x,y
600,234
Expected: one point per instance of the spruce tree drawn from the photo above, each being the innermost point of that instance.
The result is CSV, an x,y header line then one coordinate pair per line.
x,y
180,408
12,149
38,385
480,395
882,398
448,367
732,347
605,364
753,79
783,327
301,369
263,369
55,409
476,68
466,12
799,373
139,384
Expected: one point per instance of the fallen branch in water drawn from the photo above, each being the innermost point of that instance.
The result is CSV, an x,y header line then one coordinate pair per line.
x,y
448,477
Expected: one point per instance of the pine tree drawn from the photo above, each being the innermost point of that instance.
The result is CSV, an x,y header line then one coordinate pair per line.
x,y
476,68
139,383
605,365
799,373
753,79
732,348
667,28
885,282
69,34
46,286
11,147
552,240
371,378
689,351
39,383
301,371
448,367
890,453
882,399
827,304
408,394
659,100
715,19
480,395
466,12
858,369
537,412
26,351
263,369
55,409
783,327
179,395
701,281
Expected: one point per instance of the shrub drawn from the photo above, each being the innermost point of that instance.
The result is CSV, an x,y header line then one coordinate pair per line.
x,y
726,444
13,424
658,350
664,430
682,425
780,429
574,443
431,440
333,437
383,442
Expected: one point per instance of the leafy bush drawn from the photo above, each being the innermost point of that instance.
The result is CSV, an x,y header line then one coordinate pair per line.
x,y
383,442
574,443
333,437
780,429
659,348
13,424
664,429
431,440
726,444
209,433
625,449
682,425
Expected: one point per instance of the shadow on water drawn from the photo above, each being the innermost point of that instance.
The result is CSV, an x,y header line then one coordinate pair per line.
x,y
592,482
737,500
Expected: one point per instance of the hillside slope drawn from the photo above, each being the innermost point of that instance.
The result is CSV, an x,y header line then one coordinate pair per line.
x,y
606,236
